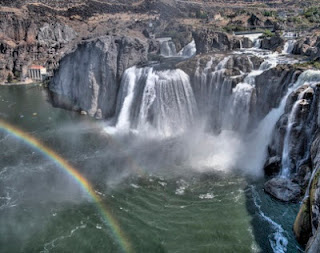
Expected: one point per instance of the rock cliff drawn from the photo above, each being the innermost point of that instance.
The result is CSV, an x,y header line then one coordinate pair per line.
x,y
88,77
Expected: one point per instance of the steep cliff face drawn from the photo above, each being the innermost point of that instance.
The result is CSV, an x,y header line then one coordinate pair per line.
x,y
24,41
88,78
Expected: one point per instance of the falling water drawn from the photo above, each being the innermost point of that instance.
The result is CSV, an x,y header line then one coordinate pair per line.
x,y
307,77
288,47
160,101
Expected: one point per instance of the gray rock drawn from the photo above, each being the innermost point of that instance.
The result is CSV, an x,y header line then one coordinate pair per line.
x,y
283,189
272,166
55,34
89,76
212,41
274,43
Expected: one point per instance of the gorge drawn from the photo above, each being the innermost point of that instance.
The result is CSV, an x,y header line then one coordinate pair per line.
x,y
156,134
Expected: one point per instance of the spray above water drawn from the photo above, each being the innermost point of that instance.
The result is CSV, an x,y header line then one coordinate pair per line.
x,y
110,221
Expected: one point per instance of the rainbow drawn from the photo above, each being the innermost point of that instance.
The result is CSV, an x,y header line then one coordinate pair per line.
x,y
81,180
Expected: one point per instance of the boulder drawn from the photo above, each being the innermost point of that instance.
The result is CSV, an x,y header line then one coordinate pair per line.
x,y
283,189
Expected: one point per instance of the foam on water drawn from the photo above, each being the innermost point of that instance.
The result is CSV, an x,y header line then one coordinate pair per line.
x,y
278,240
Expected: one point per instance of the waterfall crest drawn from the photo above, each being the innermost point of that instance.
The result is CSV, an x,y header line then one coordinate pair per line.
x,y
155,100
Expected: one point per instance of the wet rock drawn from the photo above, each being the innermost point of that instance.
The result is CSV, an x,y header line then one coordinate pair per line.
x,y
98,114
83,113
274,43
272,166
283,189
302,225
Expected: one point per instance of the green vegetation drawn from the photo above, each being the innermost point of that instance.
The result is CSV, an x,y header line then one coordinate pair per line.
x,y
309,64
201,14
312,14
266,34
234,28
269,13
9,78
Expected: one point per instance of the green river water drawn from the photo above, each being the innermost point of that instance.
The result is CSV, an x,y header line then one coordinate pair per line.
x,y
161,204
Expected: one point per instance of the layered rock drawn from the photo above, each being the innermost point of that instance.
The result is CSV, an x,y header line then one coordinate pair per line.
x,y
88,77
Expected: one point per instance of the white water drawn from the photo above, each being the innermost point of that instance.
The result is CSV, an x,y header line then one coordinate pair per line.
x,y
156,101
126,94
308,77
278,240
189,50
168,49
288,47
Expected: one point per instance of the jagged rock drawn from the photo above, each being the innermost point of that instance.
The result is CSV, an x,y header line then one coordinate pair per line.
x,y
53,35
272,166
89,76
283,189
210,41
302,225
275,43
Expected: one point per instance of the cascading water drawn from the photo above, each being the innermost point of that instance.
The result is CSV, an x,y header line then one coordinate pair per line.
x,y
167,48
157,100
288,47
189,50
308,77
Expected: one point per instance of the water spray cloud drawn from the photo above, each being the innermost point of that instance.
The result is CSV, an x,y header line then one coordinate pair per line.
x,y
110,221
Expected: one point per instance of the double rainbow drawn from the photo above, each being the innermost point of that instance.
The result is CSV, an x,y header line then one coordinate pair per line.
x,y
80,179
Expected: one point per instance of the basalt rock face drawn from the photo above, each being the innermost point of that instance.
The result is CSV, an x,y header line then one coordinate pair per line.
x,y
274,43
211,41
271,86
24,42
88,77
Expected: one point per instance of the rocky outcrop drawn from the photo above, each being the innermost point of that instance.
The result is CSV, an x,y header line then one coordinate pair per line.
x,y
211,41
274,43
308,46
88,77
24,42
302,225
56,34
271,86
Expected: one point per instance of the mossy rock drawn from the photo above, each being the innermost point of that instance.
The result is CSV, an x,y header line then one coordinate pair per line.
x,y
302,225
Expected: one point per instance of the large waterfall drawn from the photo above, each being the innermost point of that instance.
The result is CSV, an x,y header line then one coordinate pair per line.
x,y
149,99
220,99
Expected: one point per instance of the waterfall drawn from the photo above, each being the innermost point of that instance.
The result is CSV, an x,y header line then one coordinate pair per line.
x,y
168,48
126,96
286,161
308,77
257,43
288,47
189,50
152,100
